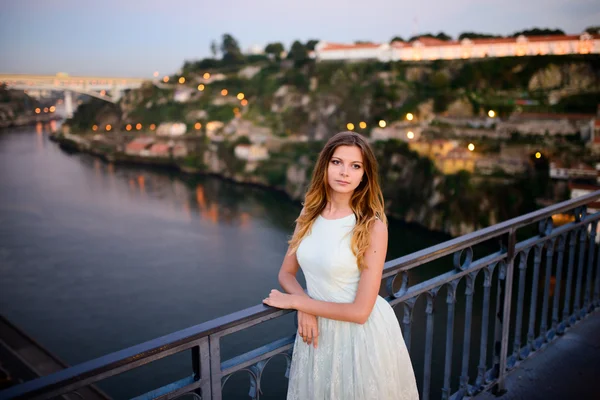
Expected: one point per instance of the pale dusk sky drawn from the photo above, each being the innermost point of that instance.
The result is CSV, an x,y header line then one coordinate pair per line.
x,y
137,37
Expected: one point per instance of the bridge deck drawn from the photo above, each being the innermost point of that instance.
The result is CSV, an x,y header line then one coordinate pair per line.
x,y
569,368
23,359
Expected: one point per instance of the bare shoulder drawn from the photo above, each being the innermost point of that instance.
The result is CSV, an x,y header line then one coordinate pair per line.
x,y
378,229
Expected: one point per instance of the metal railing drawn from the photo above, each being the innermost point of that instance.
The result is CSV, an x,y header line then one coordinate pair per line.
x,y
571,291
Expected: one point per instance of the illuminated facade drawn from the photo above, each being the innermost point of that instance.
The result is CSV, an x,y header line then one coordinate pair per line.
x,y
435,49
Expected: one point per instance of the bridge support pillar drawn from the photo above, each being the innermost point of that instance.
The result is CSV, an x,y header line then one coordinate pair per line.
x,y
69,104
116,94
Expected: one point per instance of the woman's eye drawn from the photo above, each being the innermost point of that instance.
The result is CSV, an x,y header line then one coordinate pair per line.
x,y
356,166
336,162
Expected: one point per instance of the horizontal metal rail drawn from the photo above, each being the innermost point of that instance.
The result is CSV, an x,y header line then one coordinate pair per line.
x,y
211,372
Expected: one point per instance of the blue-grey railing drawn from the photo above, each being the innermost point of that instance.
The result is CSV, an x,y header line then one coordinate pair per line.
x,y
514,263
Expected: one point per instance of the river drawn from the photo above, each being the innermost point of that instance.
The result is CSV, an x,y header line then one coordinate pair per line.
x,y
96,257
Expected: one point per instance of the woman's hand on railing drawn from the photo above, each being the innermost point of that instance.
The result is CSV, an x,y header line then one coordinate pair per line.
x,y
307,323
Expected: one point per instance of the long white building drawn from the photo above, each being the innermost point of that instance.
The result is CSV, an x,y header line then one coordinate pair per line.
x,y
436,49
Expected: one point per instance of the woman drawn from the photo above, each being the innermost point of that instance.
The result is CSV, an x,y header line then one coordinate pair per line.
x,y
349,343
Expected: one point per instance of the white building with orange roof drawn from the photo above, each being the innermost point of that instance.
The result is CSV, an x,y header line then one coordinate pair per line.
x,y
139,146
427,48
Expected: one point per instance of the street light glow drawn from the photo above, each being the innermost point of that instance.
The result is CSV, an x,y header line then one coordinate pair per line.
x,y
200,87
108,128
410,117
471,147
350,126
138,126
491,113
538,155
128,127
224,92
362,124
244,102
166,79
382,124
206,75
410,135
182,80
197,126
240,96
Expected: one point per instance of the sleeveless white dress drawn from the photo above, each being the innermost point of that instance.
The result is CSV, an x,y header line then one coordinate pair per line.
x,y
352,361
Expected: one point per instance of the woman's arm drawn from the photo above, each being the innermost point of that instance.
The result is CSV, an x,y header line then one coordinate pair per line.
x,y
287,272
368,288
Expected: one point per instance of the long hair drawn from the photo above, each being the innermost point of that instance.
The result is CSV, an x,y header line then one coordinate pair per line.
x,y
366,201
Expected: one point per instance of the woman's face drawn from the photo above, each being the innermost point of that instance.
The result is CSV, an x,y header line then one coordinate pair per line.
x,y
345,169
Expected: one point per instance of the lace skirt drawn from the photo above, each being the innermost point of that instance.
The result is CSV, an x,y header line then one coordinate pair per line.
x,y
354,362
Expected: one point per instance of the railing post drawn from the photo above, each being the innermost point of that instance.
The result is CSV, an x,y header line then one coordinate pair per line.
x,y
510,261
215,367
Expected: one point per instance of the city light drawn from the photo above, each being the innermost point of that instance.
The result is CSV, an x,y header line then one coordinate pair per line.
x,y
138,126
206,75
102,92
362,124
152,127
197,126
108,128
240,96
95,128
350,126
52,109
128,127
244,102
166,79
155,74
410,135
382,124
224,92
45,109
538,155
182,80
491,113
410,117
200,87
471,147
37,111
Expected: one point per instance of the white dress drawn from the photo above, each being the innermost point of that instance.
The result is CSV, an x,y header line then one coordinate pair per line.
x,y
352,361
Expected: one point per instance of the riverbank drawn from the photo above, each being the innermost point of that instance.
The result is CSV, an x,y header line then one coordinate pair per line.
x,y
28,120
67,143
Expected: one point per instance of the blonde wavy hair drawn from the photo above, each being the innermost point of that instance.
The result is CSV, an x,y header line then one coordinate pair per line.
x,y
366,201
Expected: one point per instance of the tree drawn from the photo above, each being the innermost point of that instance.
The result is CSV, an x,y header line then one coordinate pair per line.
x,y
593,30
275,49
396,39
214,48
231,50
298,53
474,35
310,45
539,32
443,36
440,36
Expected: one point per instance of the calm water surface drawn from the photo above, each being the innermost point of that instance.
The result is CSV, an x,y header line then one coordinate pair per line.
x,y
96,257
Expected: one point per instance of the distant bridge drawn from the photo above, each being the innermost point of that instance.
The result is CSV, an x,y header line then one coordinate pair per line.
x,y
104,88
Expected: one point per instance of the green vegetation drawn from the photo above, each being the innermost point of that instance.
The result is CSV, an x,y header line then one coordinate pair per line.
x,y
296,95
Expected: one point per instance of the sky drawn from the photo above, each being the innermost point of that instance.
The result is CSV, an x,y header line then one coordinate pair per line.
x,y
134,38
